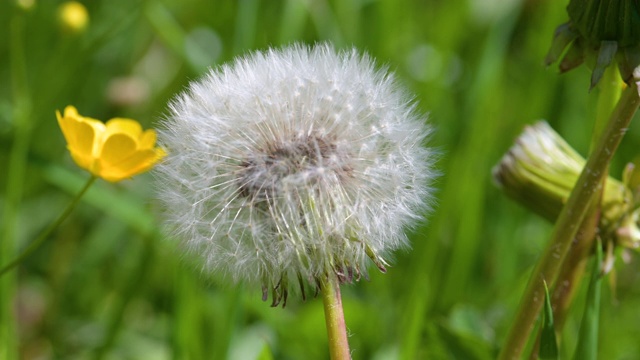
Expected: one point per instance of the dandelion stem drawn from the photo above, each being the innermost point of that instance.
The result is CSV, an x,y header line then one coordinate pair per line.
x,y
574,265
45,234
334,316
572,215
570,275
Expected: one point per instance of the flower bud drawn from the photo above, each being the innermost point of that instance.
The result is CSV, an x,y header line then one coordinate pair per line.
x,y
539,172
73,17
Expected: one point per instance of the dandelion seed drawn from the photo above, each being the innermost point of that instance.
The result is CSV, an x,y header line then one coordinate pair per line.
x,y
289,165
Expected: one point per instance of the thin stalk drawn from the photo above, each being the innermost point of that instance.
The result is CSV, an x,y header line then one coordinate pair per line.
x,y
45,234
334,316
571,216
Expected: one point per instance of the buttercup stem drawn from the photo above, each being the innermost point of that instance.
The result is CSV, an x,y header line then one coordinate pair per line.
x,y
45,234
567,225
334,317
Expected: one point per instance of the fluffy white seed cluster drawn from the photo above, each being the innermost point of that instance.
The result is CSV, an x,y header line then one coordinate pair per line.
x,y
289,165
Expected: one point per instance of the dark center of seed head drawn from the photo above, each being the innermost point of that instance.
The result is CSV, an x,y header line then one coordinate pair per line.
x,y
298,162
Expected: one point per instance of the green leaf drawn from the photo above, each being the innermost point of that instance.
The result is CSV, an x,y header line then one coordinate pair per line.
x,y
265,354
587,348
548,342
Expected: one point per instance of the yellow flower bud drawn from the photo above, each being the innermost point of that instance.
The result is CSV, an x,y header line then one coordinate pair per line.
x,y
113,151
73,17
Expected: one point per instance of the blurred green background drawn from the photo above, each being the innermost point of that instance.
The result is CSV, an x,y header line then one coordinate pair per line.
x,y
108,285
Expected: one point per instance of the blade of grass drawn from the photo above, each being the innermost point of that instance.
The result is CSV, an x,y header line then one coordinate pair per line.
x,y
293,20
325,22
548,342
130,288
587,348
475,154
246,24
185,334
461,202
170,31
15,181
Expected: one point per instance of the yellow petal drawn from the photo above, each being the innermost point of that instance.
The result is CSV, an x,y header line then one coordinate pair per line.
x,y
136,163
142,161
82,159
147,139
71,111
160,153
67,122
116,149
66,126
123,126
82,134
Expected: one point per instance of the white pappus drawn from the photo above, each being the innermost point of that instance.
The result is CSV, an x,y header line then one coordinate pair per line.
x,y
292,164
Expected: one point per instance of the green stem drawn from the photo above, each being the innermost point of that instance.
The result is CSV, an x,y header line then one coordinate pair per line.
x,y
570,218
574,265
570,275
609,90
334,316
45,234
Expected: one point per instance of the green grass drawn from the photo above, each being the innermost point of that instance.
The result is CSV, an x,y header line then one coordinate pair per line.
x,y
107,284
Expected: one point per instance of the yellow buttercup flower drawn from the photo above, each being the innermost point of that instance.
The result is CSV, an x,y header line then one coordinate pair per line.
x,y
113,151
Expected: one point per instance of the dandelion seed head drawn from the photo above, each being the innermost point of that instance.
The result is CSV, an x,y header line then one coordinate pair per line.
x,y
287,165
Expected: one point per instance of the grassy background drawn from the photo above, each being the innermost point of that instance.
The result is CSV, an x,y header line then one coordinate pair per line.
x,y
108,286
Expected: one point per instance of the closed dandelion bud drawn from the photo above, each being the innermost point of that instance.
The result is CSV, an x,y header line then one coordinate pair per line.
x,y
290,165
540,170
602,33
